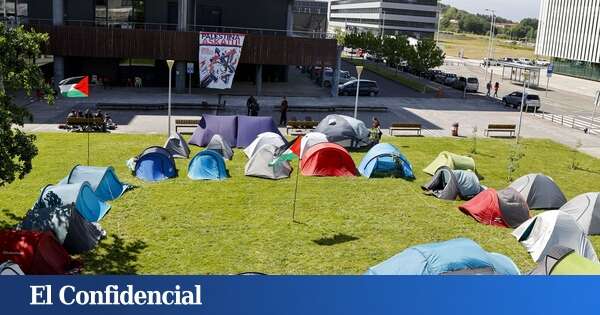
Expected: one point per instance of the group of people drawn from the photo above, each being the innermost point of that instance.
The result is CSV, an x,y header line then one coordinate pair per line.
x,y
253,109
108,123
489,88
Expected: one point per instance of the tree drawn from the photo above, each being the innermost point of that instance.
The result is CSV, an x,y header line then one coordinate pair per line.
x,y
473,24
395,49
426,55
18,74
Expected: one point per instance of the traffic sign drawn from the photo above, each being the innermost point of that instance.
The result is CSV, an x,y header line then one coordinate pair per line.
x,y
190,68
550,70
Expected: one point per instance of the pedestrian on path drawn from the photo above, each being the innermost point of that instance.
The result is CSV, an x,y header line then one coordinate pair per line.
x,y
489,88
254,108
496,87
284,110
251,100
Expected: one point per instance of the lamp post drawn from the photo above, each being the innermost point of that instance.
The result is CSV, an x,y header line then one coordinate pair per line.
x,y
525,80
170,65
491,43
359,70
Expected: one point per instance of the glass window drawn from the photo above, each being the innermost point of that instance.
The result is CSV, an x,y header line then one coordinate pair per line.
x,y
9,8
138,10
119,13
22,8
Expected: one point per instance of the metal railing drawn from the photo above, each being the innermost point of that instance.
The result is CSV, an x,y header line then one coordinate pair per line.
x,y
574,121
170,27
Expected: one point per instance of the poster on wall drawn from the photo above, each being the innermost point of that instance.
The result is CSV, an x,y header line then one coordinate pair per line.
x,y
219,55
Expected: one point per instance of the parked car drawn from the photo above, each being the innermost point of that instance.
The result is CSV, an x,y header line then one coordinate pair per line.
x,y
514,100
542,62
440,78
328,78
431,74
367,87
472,85
492,62
460,83
508,59
450,79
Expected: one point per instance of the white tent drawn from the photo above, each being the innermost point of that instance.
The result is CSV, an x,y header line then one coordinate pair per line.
x,y
263,139
9,268
553,228
258,165
221,146
177,146
309,140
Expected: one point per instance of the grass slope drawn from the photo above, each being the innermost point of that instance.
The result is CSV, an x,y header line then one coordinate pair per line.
x,y
244,224
476,47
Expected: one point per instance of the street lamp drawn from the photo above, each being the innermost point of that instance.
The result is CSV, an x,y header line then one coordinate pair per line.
x,y
359,70
491,41
170,65
525,81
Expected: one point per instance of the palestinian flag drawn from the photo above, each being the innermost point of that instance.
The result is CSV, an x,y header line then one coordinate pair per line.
x,y
287,152
75,87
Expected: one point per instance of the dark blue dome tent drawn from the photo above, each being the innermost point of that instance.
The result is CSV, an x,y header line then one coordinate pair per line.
x,y
153,164
103,180
207,164
81,195
385,160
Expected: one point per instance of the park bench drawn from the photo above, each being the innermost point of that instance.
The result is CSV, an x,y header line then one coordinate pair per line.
x,y
405,127
86,124
186,123
300,127
501,128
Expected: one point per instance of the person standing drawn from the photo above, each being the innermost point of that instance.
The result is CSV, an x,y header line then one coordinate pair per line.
x,y
489,88
496,87
284,110
254,108
249,103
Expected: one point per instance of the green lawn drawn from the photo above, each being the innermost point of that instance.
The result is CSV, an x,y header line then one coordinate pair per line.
x,y
244,224
476,47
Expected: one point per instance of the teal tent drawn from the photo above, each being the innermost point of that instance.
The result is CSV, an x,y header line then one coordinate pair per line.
x,y
103,180
81,195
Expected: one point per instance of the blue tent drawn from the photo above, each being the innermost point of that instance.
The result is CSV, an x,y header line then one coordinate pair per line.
x,y
82,195
155,164
207,164
457,256
384,160
103,180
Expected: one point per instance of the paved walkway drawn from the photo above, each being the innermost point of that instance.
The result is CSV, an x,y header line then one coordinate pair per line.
x,y
436,115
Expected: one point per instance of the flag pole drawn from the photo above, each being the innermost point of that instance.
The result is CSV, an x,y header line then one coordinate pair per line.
x,y
296,192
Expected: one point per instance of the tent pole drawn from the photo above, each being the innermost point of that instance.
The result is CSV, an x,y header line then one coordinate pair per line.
x,y
296,192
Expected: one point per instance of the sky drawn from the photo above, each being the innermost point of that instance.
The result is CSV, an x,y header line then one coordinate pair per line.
x,y
511,9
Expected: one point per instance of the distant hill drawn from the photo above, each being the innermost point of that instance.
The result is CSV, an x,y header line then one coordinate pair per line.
x,y
461,21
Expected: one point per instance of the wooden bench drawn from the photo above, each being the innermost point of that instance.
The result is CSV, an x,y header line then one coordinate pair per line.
x,y
405,127
300,127
186,123
87,124
501,128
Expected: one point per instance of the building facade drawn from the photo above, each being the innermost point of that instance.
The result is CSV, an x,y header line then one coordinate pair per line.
x,y
121,39
569,33
310,17
415,18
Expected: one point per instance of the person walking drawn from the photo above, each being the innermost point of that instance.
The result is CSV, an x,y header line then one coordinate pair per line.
x,y
284,110
496,87
489,88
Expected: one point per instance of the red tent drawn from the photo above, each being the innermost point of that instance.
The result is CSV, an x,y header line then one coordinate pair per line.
x,y
37,253
505,208
484,208
327,159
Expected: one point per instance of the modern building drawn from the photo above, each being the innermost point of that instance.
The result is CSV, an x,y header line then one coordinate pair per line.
x,y
310,17
569,33
415,18
121,39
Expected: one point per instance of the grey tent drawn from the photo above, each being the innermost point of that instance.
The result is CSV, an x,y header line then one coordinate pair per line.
x,y
9,268
500,208
221,146
344,130
258,165
553,228
585,209
448,184
540,191
76,234
177,146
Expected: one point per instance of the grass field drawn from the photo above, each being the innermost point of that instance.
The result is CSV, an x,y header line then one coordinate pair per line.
x,y
345,225
476,47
